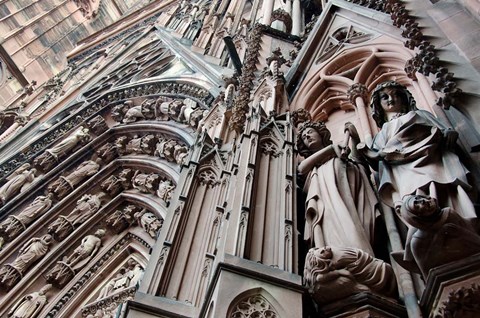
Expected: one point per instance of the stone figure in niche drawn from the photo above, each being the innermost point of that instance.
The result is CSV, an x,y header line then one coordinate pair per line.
x,y
122,219
81,135
107,290
118,111
112,185
85,208
17,182
84,170
135,272
146,183
16,224
143,111
171,150
149,222
98,125
120,144
107,152
340,204
169,109
34,249
413,152
180,153
147,144
165,190
191,113
126,176
30,305
436,236
64,185
133,146
66,269
333,273
87,249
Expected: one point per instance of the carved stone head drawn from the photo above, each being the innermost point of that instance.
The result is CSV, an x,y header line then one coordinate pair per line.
x,y
311,137
378,112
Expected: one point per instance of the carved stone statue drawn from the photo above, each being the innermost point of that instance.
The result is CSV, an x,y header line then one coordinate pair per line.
x,y
149,222
120,144
87,249
34,249
85,208
122,219
143,111
108,289
66,269
133,146
146,183
171,150
191,113
118,111
16,224
340,204
148,144
413,152
165,190
98,125
64,185
135,272
81,135
107,152
16,184
333,273
126,176
84,170
30,305
437,236
112,185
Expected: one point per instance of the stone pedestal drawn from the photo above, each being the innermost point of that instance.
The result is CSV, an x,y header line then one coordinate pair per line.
x,y
241,286
453,290
364,305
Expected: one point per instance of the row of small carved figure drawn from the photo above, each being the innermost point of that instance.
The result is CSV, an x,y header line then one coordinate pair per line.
x,y
36,248
166,148
150,183
126,279
144,182
183,111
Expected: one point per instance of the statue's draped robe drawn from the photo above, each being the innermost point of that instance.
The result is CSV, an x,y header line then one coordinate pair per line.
x,y
340,206
414,158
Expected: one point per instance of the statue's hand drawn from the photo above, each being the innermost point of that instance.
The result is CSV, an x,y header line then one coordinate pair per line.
x,y
353,131
369,153
450,137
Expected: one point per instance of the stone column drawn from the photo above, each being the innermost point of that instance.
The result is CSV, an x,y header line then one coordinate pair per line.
x,y
267,10
296,18
357,93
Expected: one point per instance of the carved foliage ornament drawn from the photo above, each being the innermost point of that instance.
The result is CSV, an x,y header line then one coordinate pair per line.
x,y
463,302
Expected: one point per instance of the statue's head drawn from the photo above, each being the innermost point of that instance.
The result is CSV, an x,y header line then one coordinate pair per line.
x,y
312,137
47,239
419,210
317,262
45,289
390,95
100,233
